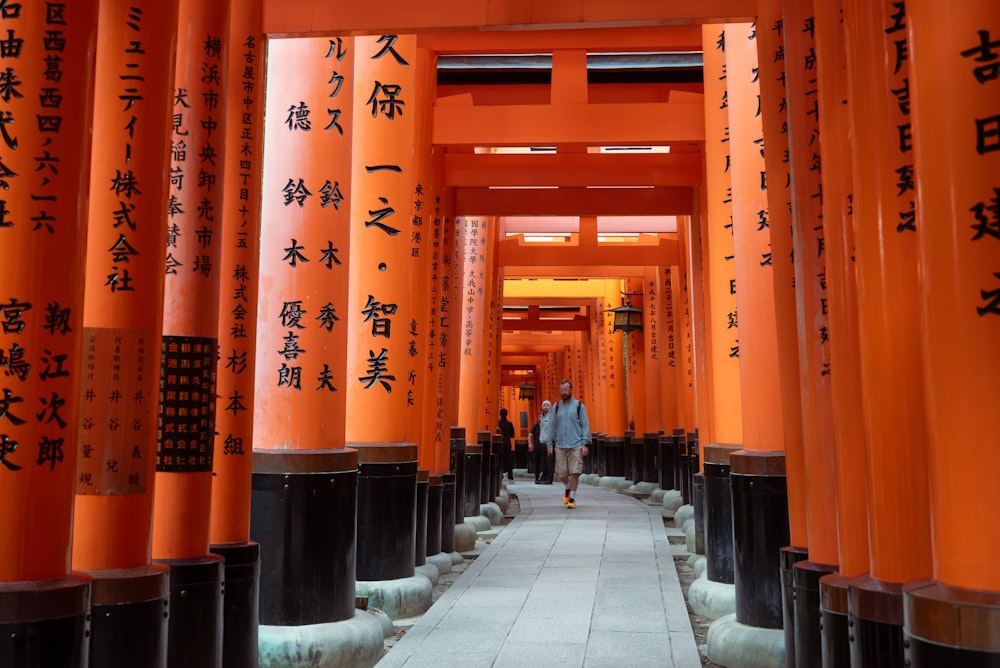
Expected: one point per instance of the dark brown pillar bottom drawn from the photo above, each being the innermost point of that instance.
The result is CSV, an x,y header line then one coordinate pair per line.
x,y
876,623
241,603
194,637
129,617
45,623
789,556
950,627
760,530
808,646
834,612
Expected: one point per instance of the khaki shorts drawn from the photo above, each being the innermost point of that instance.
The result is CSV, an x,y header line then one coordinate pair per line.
x,y
569,461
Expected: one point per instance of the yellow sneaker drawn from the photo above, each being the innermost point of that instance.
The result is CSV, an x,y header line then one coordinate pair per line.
x,y
571,504
566,499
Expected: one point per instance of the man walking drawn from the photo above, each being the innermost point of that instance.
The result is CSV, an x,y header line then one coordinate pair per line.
x,y
544,457
571,437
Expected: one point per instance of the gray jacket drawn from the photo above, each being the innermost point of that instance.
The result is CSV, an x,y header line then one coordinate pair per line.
x,y
570,426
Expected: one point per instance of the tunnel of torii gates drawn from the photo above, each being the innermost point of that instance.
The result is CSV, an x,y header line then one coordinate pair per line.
x,y
241,351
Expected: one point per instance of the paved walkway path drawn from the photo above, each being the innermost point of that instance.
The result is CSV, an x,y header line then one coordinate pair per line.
x,y
593,587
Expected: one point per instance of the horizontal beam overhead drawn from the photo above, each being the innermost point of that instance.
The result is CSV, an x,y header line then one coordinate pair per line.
x,y
654,38
641,124
470,170
658,201
576,324
323,17
585,258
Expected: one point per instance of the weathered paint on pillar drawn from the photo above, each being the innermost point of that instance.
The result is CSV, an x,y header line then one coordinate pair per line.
x,y
772,59
239,278
722,323
182,503
382,188
614,382
809,243
887,269
301,365
123,313
44,172
838,224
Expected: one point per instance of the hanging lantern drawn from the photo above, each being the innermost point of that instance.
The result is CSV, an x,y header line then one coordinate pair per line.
x,y
526,391
628,318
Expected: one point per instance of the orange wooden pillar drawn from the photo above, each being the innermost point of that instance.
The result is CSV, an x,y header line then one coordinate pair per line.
x,y
491,283
229,531
772,59
690,297
615,363
845,379
757,473
955,88
635,364
597,346
184,456
474,304
664,352
113,516
300,370
387,102
809,247
46,113
887,269
722,322
423,209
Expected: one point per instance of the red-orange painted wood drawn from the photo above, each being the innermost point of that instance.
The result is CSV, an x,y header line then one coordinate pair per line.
x,y
613,377
638,419
809,243
46,114
123,314
886,268
182,499
474,301
757,347
722,323
838,225
378,316
774,105
661,354
239,277
955,87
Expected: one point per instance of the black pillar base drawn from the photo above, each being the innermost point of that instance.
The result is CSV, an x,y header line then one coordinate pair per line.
x,y
387,509
719,513
834,612
485,441
789,556
698,493
194,639
947,626
304,517
805,579
650,454
434,514
665,462
241,603
473,478
420,541
129,617
45,623
448,518
614,456
760,530
457,466
876,623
